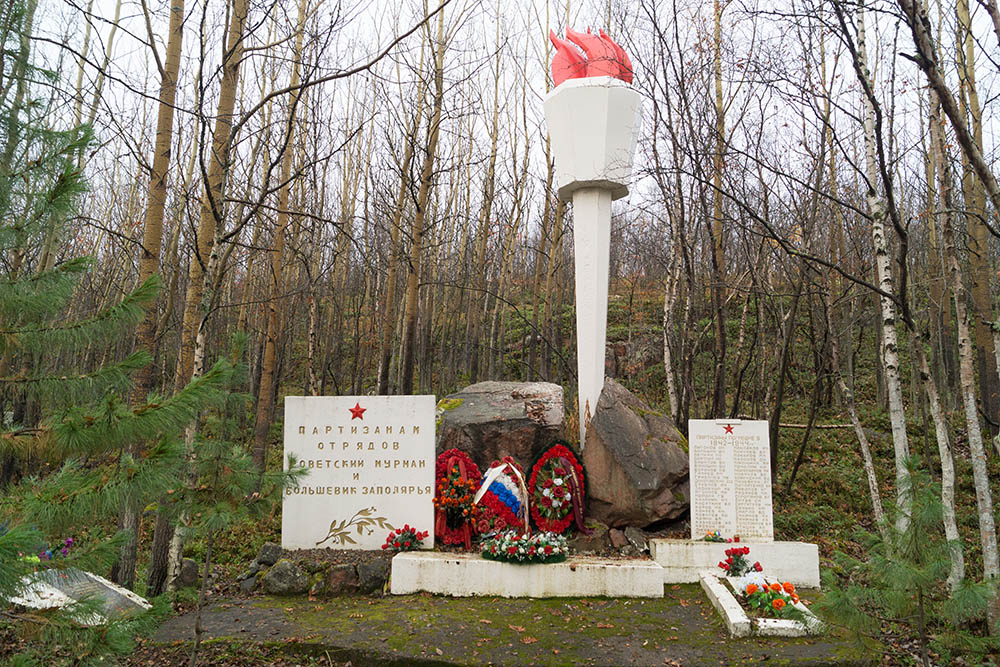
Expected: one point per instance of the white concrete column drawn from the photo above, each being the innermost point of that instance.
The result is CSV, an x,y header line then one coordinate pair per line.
x,y
591,243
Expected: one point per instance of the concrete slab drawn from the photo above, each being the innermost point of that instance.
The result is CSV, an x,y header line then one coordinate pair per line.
x,y
741,625
466,575
729,609
683,561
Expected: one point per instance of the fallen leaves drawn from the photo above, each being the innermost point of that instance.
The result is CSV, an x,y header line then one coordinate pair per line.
x,y
516,628
528,640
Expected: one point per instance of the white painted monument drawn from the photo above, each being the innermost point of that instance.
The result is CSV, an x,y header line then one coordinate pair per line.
x,y
730,478
593,117
370,463
731,493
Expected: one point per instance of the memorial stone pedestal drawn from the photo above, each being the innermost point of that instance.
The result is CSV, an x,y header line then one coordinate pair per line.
x,y
731,494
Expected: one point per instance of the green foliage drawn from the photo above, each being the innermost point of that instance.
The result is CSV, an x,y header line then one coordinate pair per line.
x,y
899,590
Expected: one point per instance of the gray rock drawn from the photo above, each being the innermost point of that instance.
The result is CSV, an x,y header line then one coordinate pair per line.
x,y
617,538
254,570
636,462
269,554
248,585
285,578
373,575
637,539
490,420
188,576
343,579
596,542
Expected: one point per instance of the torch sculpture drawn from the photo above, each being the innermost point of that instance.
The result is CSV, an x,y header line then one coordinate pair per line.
x,y
592,116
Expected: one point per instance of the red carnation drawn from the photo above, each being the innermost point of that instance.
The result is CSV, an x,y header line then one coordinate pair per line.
x,y
736,538
560,471
407,544
548,548
546,501
512,550
729,552
547,483
730,560
729,539
757,567
385,546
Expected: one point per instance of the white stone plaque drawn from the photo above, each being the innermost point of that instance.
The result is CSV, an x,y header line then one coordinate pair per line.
x,y
730,478
370,462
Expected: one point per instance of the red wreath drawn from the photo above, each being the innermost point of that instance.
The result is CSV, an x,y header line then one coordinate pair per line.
x,y
470,471
558,454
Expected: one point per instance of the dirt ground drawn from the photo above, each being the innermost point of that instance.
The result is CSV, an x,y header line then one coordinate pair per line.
x,y
680,629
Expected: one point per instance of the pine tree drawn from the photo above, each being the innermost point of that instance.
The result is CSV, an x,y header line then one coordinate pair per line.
x,y
65,423
899,595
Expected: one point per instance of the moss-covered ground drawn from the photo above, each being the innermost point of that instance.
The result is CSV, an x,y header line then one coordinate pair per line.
x,y
680,629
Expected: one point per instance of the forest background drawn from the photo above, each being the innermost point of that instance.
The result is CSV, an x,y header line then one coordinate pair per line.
x,y
363,198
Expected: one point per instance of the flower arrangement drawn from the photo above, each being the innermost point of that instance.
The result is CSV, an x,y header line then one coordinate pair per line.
x,y
556,490
772,599
454,497
736,563
502,498
49,553
716,536
512,546
406,538
457,477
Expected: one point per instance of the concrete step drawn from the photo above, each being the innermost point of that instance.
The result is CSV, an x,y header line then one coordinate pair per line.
x,y
683,561
465,575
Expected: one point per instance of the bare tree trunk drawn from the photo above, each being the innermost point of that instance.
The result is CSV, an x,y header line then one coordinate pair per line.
x,y
978,234
266,390
192,325
395,252
889,347
866,453
984,498
718,231
123,572
420,217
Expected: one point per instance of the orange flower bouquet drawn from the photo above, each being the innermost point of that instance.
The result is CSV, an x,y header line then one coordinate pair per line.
x,y
777,600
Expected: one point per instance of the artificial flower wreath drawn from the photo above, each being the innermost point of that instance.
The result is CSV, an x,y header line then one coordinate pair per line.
x,y
557,490
456,480
501,501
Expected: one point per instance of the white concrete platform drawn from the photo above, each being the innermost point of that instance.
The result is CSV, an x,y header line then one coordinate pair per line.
x,y
466,575
741,625
683,561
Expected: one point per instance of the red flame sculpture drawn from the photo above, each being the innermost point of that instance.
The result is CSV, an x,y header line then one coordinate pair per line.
x,y
603,57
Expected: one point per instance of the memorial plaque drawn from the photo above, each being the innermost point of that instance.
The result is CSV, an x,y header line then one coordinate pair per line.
x,y
730,478
370,463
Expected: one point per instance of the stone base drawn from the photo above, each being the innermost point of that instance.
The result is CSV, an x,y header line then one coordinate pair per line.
x,y
465,575
741,625
683,561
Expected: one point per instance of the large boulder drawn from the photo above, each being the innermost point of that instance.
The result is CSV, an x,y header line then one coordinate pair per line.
x,y
636,462
490,420
285,578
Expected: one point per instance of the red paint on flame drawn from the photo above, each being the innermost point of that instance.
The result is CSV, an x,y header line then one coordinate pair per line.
x,y
601,57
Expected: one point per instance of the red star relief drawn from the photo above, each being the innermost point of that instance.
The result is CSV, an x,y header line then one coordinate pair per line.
x,y
729,428
357,412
